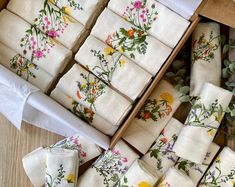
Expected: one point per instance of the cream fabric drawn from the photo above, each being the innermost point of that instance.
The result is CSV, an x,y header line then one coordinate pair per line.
x,y
111,67
156,52
161,155
206,56
42,79
139,174
61,167
105,101
153,116
97,121
168,27
109,167
13,29
56,27
202,123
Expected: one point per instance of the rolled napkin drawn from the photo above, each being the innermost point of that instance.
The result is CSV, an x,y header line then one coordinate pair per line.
x,y
161,156
202,123
61,167
222,171
150,16
50,19
32,44
139,174
153,117
175,178
24,68
111,67
196,171
34,163
145,50
109,167
206,56
84,113
91,92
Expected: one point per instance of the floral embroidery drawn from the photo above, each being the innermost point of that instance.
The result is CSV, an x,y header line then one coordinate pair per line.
x,y
111,165
53,182
23,66
156,109
203,49
71,3
163,148
186,166
91,89
164,183
125,183
144,184
70,178
84,113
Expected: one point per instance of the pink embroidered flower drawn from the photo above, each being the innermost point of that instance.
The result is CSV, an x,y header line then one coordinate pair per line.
x,y
52,33
164,140
83,154
125,159
138,4
38,54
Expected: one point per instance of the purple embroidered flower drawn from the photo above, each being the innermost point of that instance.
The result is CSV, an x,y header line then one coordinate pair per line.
x,y
52,33
125,159
138,4
38,54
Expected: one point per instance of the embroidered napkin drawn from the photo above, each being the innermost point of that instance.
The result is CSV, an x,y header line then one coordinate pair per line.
x,y
32,44
222,171
196,171
202,123
152,17
61,167
24,68
111,67
51,20
206,56
161,156
145,50
109,167
175,178
84,113
91,92
34,163
139,174
153,116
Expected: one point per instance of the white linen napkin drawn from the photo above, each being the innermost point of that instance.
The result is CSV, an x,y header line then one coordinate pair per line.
x,y
24,68
202,123
206,56
145,50
50,19
161,156
109,167
196,171
222,171
84,113
175,178
61,168
152,17
153,116
111,67
32,44
91,92
139,174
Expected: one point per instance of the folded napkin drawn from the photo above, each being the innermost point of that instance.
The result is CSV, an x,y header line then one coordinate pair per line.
x,y
49,19
175,178
196,171
153,117
84,113
32,44
34,163
139,174
89,91
111,67
222,171
145,50
206,56
24,68
202,123
152,17
109,167
61,167
161,156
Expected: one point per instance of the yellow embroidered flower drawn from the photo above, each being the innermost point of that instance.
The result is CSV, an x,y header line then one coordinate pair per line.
x,y
218,159
211,132
109,51
31,65
162,183
70,178
121,49
52,1
144,184
66,9
122,62
168,97
218,117
83,86
92,83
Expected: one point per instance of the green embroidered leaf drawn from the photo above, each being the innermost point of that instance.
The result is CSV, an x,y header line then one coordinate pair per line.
x,y
154,153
